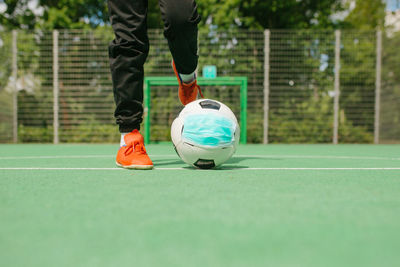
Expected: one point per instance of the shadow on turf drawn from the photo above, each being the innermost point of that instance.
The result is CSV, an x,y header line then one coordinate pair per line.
x,y
227,165
221,168
233,160
166,162
163,162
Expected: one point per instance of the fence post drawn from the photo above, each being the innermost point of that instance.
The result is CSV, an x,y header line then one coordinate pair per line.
x,y
378,85
267,34
15,89
337,85
55,88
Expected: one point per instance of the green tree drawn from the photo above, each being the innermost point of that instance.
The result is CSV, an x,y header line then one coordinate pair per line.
x,y
17,15
367,15
271,14
52,14
67,14
88,14
390,92
73,13
358,51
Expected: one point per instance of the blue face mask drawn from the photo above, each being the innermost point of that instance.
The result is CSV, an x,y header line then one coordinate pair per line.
x,y
208,129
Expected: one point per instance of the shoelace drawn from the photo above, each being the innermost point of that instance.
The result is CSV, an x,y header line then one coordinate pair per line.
x,y
195,85
201,94
135,146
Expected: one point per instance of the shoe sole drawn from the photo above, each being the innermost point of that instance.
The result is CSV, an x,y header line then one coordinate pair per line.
x,y
135,167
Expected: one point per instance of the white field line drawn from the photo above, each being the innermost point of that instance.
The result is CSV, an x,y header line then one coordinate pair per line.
x,y
235,156
226,168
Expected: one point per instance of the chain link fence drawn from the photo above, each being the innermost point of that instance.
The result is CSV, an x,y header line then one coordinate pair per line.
x,y
390,96
64,90
301,86
35,87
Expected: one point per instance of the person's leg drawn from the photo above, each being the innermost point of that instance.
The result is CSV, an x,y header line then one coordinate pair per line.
x,y
128,52
180,19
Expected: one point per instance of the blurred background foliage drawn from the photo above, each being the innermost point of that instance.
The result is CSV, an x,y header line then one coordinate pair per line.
x,y
227,19
244,14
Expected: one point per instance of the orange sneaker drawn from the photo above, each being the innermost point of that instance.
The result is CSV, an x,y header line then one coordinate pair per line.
x,y
133,155
187,91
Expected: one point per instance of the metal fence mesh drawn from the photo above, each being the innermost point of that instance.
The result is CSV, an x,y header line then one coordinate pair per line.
x,y
390,96
357,86
35,87
85,99
301,85
6,101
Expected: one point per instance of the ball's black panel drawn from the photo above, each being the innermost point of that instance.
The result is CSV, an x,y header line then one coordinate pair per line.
x,y
209,104
204,163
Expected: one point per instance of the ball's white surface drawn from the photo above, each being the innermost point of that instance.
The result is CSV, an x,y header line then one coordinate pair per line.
x,y
198,155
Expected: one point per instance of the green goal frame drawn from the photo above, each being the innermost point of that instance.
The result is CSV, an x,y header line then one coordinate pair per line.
x,y
157,81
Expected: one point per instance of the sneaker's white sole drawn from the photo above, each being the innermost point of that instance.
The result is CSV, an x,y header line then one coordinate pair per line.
x,y
136,167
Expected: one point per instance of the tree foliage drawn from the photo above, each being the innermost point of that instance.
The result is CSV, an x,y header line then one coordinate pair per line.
x,y
367,15
53,14
253,14
271,14
73,13
17,15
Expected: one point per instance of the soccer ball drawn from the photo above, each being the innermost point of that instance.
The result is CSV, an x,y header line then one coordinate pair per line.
x,y
205,133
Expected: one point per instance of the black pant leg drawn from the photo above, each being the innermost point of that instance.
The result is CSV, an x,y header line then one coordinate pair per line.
x,y
180,19
128,53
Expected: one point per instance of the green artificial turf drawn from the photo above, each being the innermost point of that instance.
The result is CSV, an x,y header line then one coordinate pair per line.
x,y
243,214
